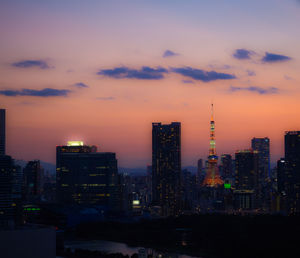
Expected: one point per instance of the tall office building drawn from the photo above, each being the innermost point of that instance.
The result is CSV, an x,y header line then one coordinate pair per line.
x,y
2,132
246,169
281,176
86,177
226,163
246,179
33,176
262,145
10,184
292,170
212,178
199,175
166,167
10,192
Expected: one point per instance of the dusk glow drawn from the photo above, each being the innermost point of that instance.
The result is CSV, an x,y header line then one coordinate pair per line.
x,y
102,71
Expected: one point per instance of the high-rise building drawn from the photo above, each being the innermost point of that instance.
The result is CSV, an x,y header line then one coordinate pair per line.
x,y
246,179
226,163
262,145
10,184
10,192
199,175
86,177
212,178
246,169
166,167
292,170
149,184
2,132
33,176
282,176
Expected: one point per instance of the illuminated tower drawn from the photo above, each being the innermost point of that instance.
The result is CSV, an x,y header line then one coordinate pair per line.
x,y
212,178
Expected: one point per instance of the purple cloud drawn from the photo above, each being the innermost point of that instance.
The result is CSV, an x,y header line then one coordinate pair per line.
x,y
80,85
242,54
205,76
259,90
47,92
169,53
274,58
145,73
31,63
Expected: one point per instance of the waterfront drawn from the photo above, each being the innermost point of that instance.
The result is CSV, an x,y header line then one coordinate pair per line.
x,y
116,247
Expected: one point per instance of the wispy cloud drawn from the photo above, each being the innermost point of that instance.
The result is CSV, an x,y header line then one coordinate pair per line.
x,y
80,85
205,76
105,98
31,63
251,73
288,77
259,90
145,73
215,66
47,92
274,58
242,54
169,53
188,81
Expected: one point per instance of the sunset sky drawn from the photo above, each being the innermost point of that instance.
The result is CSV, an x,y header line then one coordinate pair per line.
x,y
103,71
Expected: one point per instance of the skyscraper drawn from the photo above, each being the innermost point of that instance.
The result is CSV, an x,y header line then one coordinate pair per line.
x,y
166,167
226,162
2,132
212,178
10,192
86,177
246,179
199,176
33,175
262,145
292,173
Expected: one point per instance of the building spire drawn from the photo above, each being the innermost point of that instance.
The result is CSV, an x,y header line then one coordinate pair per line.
x,y
212,178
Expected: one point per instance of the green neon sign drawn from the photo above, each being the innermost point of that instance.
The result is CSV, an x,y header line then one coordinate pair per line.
x,y
227,186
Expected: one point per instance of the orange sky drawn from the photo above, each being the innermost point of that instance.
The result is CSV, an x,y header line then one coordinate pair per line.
x,y
77,41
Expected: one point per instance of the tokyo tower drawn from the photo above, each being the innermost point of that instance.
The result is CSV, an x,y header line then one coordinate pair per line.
x,y
212,178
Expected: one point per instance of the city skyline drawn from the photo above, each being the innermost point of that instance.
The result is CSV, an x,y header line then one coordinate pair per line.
x,y
103,72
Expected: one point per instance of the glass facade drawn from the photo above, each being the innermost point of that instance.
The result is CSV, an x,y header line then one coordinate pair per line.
x,y
166,167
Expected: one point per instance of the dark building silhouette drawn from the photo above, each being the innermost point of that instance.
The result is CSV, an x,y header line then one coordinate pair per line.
x,y
262,145
11,180
10,192
291,178
199,175
282,176
2,132
149,184
166,167
226,163
246,180
33,176
86,177
188,190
